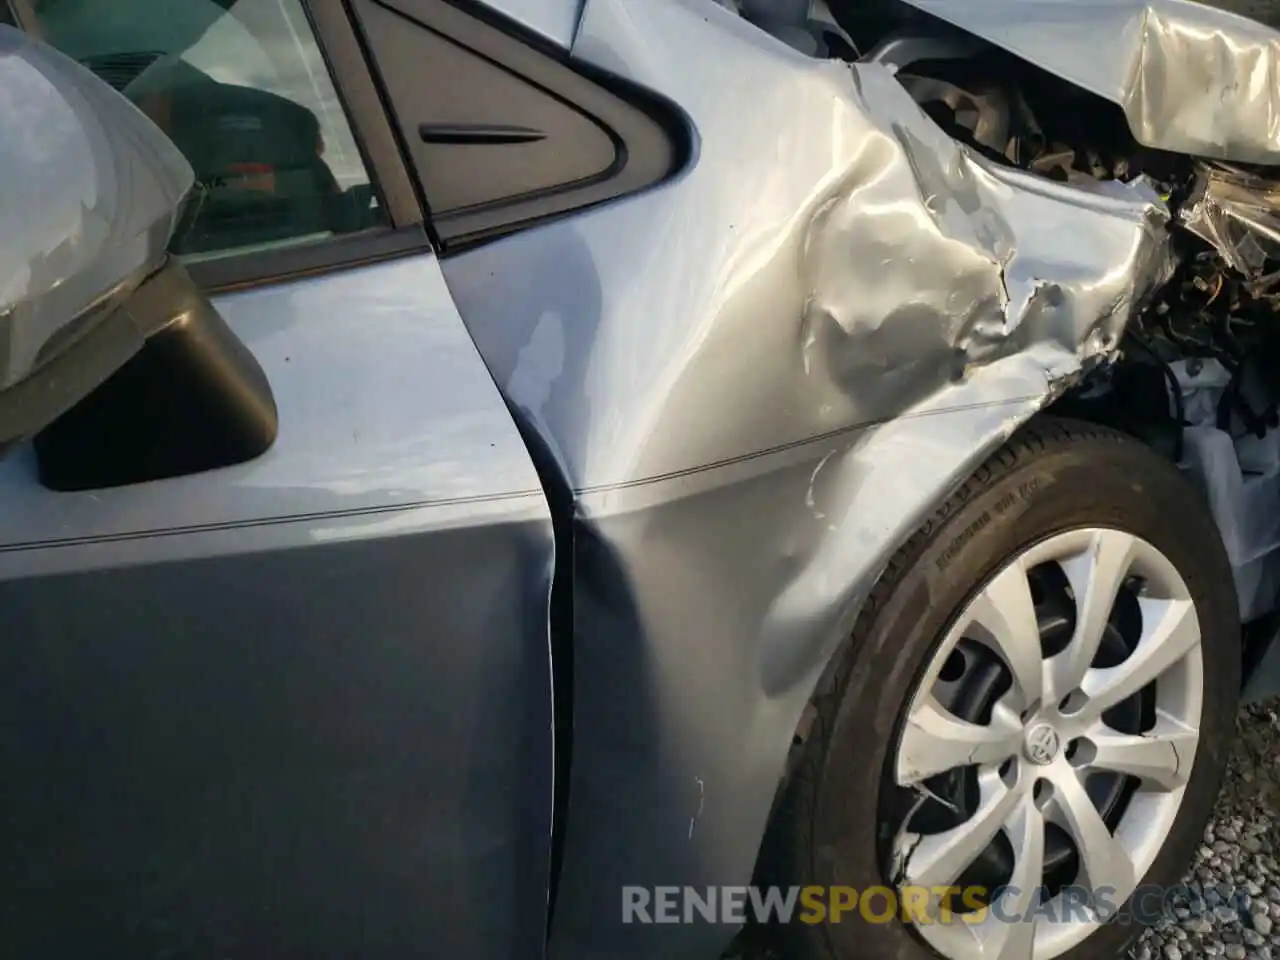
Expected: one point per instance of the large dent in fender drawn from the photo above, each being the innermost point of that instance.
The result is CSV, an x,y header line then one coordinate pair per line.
x,y
1190,78
755,382
938,282
928,263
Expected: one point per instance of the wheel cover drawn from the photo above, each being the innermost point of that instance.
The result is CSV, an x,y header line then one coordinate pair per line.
x,y
1047,737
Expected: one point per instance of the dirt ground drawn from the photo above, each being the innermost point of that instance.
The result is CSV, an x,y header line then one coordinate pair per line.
x,y
1253,775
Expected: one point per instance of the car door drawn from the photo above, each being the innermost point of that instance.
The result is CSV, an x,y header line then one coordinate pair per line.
x,y
299,706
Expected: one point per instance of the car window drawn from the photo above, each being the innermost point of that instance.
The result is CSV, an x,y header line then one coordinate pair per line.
x,y
243,90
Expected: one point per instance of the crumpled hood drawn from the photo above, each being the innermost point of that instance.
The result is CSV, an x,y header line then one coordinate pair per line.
x,y
1191,78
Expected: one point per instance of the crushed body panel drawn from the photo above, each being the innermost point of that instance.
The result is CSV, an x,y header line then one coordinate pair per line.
x,y
1191,78
854,312
1238,214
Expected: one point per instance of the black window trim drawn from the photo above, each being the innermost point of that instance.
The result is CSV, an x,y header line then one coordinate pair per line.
x,y
340,46
296,261
353,78
644,126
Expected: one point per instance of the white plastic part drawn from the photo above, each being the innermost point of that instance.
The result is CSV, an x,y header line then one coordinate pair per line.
x,y
1241,481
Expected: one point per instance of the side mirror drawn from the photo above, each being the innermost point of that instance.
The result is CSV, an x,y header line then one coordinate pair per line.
x,y
91,305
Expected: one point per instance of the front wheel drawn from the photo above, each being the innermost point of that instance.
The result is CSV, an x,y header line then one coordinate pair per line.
x,y
1044,684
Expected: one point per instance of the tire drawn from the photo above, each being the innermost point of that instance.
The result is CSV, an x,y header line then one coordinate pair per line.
x,y
1053,476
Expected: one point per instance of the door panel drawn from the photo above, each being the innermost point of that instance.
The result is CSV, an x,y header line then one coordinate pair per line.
x,y
299,707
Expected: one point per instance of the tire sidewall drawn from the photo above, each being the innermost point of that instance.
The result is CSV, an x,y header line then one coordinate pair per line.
x,y
1103,483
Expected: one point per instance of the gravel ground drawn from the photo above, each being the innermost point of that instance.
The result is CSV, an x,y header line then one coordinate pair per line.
x,y
1239,852
1238,859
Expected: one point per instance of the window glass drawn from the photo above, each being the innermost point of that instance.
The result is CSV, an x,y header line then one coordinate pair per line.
x,y
242,89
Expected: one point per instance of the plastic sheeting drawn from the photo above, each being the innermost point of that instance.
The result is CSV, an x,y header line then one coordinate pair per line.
x,y
1238,214
1241,481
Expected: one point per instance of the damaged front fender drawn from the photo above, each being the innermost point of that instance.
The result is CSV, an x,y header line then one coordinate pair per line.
x,y
755,382
925,263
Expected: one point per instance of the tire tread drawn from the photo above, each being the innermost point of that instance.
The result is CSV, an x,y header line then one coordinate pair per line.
x,y
793,815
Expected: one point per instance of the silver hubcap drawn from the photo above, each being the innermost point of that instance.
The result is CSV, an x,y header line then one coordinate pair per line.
x,y
1047,735
1041,744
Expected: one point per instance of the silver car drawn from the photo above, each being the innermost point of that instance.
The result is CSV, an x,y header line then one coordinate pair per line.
x,y
538,477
